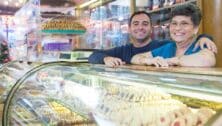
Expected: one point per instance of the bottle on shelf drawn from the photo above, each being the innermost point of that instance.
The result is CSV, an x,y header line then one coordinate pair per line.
x,y
156,4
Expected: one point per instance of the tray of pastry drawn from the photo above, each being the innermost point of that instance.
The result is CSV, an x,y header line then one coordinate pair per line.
x,y
148,105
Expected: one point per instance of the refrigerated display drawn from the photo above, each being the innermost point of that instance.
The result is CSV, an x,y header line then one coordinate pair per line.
x,y
62,93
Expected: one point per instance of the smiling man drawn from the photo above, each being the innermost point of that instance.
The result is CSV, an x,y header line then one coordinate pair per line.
x,y
140,28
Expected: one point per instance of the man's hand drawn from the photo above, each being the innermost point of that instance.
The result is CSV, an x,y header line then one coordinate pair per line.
x,y
209,44
113,61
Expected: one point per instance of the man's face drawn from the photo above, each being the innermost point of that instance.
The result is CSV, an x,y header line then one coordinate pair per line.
x,y
140,27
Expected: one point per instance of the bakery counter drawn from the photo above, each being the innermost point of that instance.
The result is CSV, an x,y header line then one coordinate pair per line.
x,y
63,93
188,70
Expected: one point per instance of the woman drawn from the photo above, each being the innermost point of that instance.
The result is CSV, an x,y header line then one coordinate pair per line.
x,y
183,29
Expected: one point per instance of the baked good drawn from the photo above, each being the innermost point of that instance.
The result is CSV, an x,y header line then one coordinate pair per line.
x,y
135,106
62,24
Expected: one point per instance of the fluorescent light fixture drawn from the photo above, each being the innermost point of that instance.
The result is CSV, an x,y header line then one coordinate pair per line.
x,y
21,1
87,3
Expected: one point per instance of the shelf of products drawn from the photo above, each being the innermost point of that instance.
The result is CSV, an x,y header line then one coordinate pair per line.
x,y
45,37
107,24
26,21
83,94
58,36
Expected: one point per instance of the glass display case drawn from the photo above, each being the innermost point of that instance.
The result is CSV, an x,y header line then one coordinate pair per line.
x,y
10,73
66,94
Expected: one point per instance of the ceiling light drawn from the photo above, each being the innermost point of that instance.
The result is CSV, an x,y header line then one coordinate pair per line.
x,y
87,3
5,2
16,4
21,1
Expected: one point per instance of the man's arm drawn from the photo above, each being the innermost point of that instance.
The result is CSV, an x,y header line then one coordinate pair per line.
x,y
108,57
203,58
97,57
205,40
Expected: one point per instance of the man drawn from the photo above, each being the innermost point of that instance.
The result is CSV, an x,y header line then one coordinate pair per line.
x,y
140,29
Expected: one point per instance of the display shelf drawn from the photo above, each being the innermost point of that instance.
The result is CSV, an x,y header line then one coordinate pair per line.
x,y
171,6
71,107
64,32
106,24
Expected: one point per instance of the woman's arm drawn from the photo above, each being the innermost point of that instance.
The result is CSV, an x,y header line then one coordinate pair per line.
x,y
203,58
148,59
141,59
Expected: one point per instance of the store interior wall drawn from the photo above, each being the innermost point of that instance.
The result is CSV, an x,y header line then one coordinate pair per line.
x,y
212,24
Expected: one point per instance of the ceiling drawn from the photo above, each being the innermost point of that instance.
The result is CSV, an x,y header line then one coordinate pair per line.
x,y
9,7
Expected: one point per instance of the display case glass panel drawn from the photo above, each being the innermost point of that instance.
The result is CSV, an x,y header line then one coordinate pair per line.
x,y
10,73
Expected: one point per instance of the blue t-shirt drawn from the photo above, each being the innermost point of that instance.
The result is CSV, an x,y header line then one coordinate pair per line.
x,y
169,50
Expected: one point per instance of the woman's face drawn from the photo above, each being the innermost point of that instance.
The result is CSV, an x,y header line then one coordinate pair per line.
x,y
182,29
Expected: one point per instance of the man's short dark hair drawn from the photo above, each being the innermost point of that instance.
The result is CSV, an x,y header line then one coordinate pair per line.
x,y
138,13
190,10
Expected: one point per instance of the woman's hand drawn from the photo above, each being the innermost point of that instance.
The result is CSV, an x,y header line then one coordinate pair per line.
x,y
157,62
175,61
